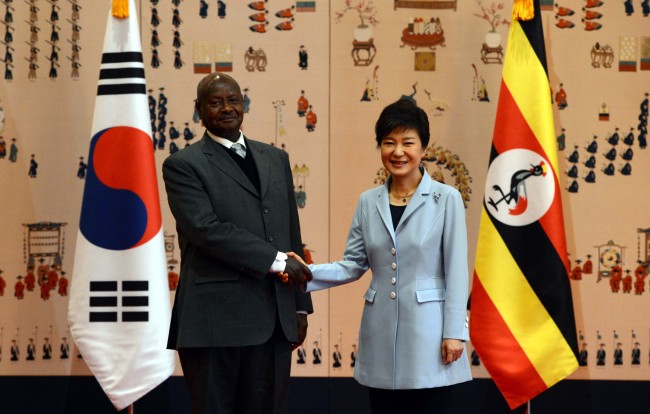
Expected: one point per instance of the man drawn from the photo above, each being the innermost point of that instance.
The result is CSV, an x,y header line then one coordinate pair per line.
x,y
636,354
583,355
336,357
618,354
316,353
234,320
15,351
31,350
65,348
302,355
600,355
47,349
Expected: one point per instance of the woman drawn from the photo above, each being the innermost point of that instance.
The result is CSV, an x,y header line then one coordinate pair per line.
x,y
411,234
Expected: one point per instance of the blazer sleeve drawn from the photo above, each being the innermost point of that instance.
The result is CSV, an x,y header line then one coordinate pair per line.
x,y
354,263
454,247
303,299
195,215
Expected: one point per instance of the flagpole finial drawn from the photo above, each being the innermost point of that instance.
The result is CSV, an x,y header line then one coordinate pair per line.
x,y
121,9
521,10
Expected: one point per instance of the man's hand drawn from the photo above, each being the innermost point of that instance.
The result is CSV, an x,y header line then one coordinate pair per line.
x,y
296,273
297,257
302,330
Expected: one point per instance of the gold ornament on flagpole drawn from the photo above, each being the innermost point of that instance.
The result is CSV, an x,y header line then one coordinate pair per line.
x,y
120,9
523,10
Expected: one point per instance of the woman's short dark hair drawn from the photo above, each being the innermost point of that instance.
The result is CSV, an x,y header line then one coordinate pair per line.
x,y
400,116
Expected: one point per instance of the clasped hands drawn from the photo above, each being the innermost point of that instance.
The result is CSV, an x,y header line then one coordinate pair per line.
x,y
296,272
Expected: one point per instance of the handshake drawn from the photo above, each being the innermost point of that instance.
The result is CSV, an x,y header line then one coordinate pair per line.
x,y
296,272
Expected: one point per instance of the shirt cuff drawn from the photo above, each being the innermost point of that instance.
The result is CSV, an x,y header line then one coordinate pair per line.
x,y
280,263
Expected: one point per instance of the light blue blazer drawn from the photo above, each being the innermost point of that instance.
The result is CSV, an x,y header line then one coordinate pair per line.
x,y
419,287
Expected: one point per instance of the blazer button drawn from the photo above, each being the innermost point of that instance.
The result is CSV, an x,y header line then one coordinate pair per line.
x,y
393,295
270,238
393,280
393,266
392,251
266,210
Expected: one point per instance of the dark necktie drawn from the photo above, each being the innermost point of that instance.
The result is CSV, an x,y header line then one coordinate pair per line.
x,y
239,149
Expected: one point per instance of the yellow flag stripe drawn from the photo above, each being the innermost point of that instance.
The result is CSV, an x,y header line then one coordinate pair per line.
x,y
519,306
526,80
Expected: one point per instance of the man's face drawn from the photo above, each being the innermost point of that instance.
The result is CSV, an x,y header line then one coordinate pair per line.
x,y
221,109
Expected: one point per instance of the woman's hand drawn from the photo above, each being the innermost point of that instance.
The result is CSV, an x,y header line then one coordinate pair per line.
x,y
297,257
284,276
452,349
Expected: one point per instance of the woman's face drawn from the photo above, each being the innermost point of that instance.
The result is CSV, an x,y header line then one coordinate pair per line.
x,y
401,153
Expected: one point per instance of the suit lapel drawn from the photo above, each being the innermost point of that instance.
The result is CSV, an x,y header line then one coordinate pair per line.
x,y
421,196
218,157
384,211
261,162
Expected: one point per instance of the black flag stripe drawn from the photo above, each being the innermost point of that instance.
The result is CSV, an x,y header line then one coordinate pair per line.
x,y
135,301
122,71
526,244
103,286
103,316
118,73
112,301
121,89
122,57
135,316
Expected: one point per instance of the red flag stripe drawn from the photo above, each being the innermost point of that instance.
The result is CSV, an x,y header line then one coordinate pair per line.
x,y
516,370
511,130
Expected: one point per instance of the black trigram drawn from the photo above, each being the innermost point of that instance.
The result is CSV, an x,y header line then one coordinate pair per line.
x,y
121,73
103,301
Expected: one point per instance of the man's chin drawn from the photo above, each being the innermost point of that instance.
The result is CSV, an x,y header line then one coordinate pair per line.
x,y
226,131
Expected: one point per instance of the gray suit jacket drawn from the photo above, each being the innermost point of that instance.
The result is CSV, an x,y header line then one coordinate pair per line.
x,y
229,235
419,287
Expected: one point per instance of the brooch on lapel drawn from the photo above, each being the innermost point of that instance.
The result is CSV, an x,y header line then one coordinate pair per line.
x,y
436,197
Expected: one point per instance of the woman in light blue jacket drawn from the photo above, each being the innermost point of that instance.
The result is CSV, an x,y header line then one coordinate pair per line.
x,y
411,234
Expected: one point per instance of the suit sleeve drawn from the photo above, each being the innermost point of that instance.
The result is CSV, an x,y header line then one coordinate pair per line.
x,y
195,216
454,247
303,299
354,263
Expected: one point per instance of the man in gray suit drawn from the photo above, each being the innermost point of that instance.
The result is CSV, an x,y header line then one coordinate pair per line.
x,y
234,321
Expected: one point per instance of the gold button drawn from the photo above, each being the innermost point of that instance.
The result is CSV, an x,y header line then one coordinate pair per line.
x,y
393,295
393,266
393,280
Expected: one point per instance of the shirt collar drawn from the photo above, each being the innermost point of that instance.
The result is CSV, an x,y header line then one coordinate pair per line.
x,y
226,142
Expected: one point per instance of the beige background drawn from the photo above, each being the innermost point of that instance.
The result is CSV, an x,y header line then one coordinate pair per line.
x,y
52,119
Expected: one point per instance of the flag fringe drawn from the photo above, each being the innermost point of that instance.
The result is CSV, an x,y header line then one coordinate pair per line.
x,y
120,9
523,10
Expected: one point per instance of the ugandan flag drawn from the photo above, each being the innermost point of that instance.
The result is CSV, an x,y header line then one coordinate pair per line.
x,y
522,323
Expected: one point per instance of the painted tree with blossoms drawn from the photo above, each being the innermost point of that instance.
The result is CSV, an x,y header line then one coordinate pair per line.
x,y
365,9
492,14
